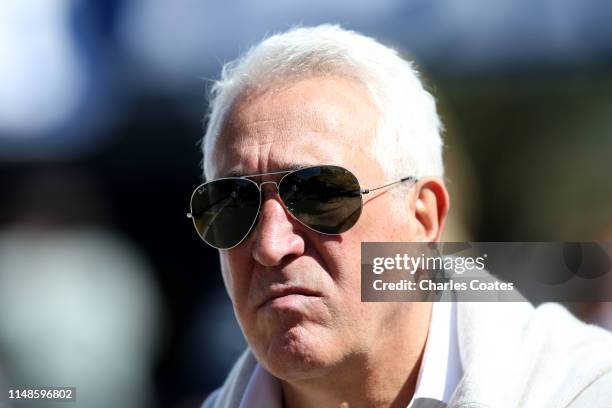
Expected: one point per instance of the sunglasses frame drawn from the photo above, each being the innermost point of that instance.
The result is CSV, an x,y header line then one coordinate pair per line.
x,y
286,173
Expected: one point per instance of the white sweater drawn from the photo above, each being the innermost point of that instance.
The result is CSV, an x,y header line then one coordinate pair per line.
x,y
512,356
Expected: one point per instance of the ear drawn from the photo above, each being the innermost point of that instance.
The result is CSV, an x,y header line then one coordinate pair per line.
x,y
431,203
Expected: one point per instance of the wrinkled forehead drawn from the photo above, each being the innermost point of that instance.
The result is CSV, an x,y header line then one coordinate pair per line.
x,y
307,122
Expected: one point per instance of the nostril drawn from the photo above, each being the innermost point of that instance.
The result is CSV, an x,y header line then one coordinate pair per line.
x,y
289,258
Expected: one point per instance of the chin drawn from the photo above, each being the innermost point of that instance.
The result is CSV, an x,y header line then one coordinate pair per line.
x,y
297,353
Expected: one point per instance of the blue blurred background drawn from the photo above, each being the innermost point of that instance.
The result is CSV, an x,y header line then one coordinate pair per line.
x,y
105,286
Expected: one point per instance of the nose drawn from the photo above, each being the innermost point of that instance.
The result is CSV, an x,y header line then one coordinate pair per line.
x,y
276,237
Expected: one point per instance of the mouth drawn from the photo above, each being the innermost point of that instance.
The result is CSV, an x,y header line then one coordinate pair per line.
x,y
288,296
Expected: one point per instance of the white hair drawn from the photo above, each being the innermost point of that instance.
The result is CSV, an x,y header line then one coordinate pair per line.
x,y
407,140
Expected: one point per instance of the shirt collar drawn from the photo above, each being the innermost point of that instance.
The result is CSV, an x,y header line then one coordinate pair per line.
x,y
263,390
440,370
438,377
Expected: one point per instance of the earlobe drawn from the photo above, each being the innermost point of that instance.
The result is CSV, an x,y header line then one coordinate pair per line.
x,y
430,208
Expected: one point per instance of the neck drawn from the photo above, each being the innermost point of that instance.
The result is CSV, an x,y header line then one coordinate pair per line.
x,y
383,376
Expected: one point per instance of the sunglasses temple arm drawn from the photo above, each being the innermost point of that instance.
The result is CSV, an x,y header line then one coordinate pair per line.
x,y
409,178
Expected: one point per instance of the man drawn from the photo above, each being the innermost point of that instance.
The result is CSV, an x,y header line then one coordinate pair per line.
x,y
343,142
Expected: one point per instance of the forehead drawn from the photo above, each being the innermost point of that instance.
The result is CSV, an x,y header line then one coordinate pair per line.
x,y
322,120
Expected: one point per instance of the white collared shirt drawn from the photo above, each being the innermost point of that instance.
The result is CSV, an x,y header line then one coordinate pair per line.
x,y
438,377
440,370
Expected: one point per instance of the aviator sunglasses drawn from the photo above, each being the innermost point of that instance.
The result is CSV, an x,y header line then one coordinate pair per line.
x,y
327,199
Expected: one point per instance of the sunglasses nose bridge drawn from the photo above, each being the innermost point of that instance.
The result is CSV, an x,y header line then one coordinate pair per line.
x,y
267,182
264,183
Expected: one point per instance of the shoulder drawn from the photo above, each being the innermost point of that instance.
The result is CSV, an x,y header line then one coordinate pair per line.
x,y
597,394
582,351
540,356
554,330
556,340
550,328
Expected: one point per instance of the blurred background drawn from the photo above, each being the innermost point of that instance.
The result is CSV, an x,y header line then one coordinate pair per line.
x,y
104,284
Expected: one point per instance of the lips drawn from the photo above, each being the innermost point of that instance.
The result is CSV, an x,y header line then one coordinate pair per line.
x,y
280,292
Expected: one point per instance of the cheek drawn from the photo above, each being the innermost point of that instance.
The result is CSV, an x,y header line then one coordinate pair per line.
x,y
236,273
384,221
344,262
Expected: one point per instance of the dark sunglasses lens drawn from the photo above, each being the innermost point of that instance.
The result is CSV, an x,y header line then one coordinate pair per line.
x,y
325,198
225,210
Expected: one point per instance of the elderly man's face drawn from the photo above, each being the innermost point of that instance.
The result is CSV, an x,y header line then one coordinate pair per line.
x,y
296,293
